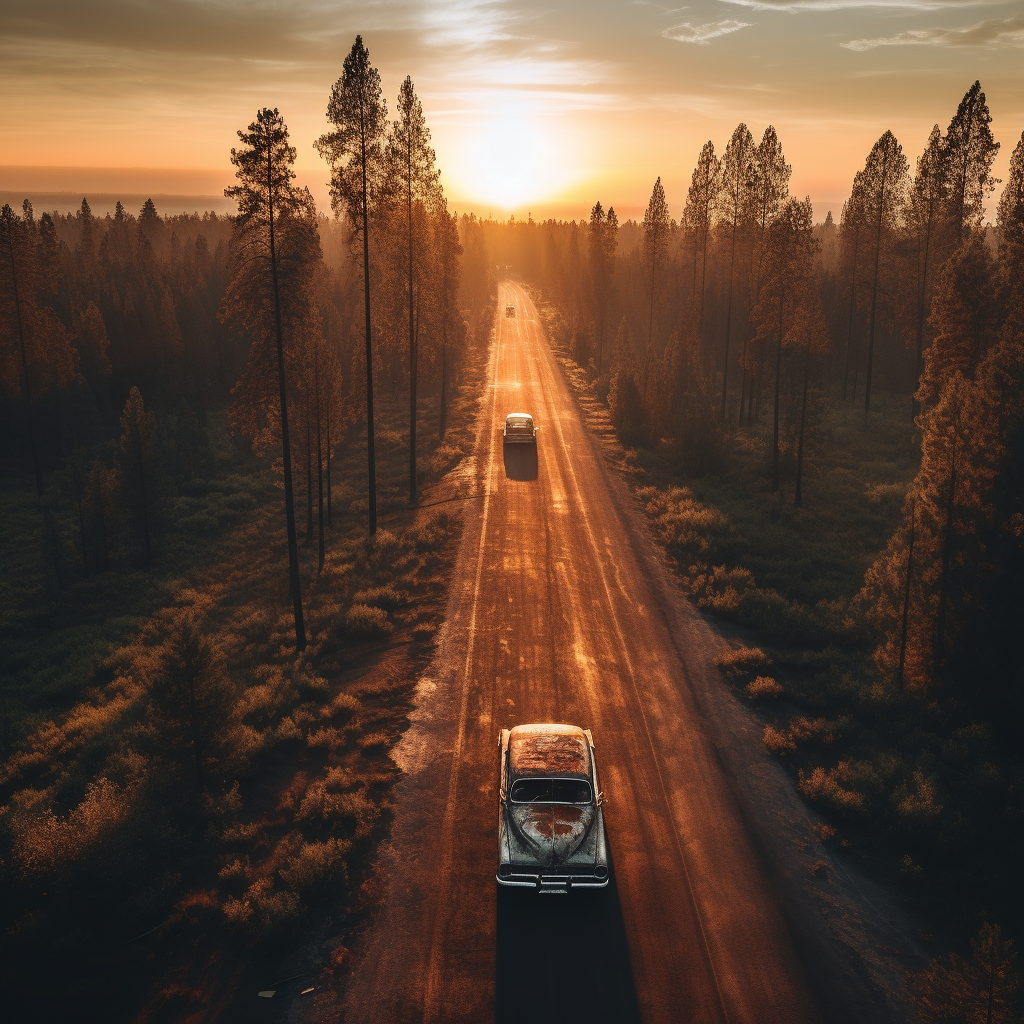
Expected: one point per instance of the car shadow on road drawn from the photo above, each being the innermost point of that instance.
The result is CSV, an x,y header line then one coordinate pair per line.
x,y
563,957
520,461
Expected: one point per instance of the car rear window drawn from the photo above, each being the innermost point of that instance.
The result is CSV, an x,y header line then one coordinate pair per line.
x,y
519,421
551,791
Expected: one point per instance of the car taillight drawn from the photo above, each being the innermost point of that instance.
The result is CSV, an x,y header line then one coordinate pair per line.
x,y
601,871
504,870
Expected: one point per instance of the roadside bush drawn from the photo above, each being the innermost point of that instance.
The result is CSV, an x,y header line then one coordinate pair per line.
x,y
742,662
764,688
363,621
317,865
262,911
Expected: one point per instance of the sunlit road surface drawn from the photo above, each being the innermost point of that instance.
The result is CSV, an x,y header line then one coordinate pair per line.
x,y
553,616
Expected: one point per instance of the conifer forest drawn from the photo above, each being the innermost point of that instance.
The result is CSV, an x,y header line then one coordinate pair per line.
x,y
234,488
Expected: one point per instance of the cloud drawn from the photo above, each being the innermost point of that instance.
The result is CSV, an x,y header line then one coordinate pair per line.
x,y
702,34
999,32
792,6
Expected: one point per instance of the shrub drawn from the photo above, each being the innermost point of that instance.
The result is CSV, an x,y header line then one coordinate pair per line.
x,y
363,621
777,741
262,911
824,787
764,687
336,798
317,865
742,662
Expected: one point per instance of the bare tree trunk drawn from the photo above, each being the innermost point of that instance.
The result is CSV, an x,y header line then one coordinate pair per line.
x,y
915,406
309,475
906,596
444,374
947,557
853,306
728,322
142,499
778,385
798,498
319,467
329,459
289,500
874,292
370,454
412,344
654,263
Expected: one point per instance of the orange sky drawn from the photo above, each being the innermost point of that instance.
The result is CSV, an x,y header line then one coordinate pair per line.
x,y
539,107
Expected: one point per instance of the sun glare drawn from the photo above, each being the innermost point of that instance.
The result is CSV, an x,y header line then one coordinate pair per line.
x,y
511,161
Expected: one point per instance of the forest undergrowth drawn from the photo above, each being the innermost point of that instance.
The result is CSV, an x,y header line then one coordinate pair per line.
x,y
119,865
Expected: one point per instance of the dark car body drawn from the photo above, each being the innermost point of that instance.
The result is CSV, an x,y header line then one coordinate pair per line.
x,y
519,427
551,834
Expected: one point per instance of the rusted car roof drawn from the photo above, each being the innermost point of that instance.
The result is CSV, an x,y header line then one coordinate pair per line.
x,y
549,749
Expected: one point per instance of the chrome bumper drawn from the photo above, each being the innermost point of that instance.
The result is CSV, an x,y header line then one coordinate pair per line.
x,y
552,883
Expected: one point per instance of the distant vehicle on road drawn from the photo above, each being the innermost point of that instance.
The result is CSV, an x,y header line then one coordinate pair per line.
x,y
519,428
510,310
551,835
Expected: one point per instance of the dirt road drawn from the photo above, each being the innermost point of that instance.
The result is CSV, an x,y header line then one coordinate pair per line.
x,y
554,616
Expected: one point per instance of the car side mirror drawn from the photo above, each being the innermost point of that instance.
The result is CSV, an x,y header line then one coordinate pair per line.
x,y
601,799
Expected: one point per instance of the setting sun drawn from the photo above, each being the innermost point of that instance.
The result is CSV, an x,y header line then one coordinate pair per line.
x,y
508,161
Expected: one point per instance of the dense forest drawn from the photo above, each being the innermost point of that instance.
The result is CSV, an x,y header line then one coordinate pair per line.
x,y
832,416
167,384
824,422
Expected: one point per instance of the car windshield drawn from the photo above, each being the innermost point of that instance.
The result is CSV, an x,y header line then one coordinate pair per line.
x,y
551,791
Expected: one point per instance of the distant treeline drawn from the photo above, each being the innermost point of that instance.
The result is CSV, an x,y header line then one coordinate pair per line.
x,y
117,334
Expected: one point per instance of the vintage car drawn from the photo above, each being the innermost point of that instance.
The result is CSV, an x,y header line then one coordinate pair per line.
x,y
519,428
510,310
551,834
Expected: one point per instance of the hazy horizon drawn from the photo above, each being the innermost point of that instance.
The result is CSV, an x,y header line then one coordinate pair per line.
x,y
598,99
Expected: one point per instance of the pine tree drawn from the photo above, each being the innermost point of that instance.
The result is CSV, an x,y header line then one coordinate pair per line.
x,y
354,151
736,208
1010,221
881,193
771,187
655,242
851,233
447,252
602,242
790,250
925,205
411,172
809,336
625,394
970,151
698,215
965,318
269,203
92,343
192,691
